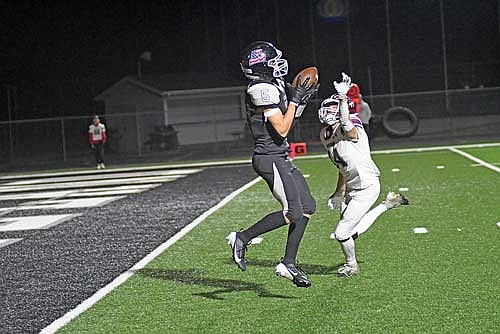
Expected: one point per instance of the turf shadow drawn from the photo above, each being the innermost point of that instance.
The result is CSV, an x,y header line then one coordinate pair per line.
x,y
312,269
193,277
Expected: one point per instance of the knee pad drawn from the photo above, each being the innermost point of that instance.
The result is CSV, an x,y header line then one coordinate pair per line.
x,y
309,206
342,236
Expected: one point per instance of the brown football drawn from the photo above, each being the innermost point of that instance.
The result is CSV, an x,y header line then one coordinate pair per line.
x,y
310,74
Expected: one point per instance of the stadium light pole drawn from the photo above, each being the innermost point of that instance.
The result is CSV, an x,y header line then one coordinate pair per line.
x,y
389,50
443,44
349,37
311,26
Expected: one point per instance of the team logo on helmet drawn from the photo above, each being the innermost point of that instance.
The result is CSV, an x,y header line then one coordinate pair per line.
x,y
257,56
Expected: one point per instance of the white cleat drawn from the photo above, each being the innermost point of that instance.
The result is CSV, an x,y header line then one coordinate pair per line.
x,y
102,166
348,270
98,166
393,200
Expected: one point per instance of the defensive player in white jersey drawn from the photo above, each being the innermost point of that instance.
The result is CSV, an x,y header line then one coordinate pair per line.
x,y
358,185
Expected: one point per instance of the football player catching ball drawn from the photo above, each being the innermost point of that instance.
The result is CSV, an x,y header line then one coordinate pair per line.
x,y
270,116
358,185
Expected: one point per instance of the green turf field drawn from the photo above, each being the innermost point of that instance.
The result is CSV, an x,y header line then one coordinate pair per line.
x,y
446,281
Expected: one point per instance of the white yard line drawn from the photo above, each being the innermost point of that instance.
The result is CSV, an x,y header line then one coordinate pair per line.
x,y
86,304
123,175
91,192
89,184
126,169
6,242
475,159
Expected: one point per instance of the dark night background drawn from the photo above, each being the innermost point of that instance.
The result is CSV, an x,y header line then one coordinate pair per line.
x,y
57,55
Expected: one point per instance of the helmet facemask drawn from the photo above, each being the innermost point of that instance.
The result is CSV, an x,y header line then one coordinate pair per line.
x,y
279,65
329,111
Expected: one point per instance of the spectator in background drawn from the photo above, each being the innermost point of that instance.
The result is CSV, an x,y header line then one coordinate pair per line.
x,y
365,114
97,139
361,106
353,94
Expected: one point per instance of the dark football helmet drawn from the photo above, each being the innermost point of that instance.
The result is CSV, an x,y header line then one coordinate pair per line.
x,y
263,60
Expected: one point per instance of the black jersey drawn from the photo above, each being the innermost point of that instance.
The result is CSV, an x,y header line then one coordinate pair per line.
x,y
260,95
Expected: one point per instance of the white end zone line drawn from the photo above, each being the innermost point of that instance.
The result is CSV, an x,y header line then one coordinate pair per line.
x,y
477,160
88,303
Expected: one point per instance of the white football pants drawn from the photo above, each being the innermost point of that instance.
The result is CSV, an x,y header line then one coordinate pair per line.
x,y
356,206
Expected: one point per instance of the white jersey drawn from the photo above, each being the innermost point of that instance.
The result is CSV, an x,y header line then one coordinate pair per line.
x,y
97,132
353,158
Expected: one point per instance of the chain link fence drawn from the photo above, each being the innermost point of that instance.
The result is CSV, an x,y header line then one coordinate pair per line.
x,y
443,116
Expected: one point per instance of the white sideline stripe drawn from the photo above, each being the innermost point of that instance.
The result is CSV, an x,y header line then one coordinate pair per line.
x,y
86,304
410,150
172,173
475,159
230,162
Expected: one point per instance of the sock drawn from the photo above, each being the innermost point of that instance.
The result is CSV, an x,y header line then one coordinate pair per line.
x,y
270,222
348,247
295,234
369,218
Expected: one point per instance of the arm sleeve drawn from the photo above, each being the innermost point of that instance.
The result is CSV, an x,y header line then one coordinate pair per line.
x,y
264,95
345,120
299,110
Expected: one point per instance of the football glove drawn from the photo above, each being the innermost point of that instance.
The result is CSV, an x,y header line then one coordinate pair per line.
x,y
343,87
303,92
335,200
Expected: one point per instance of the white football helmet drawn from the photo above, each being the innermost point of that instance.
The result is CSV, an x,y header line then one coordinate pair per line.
x,y
329,112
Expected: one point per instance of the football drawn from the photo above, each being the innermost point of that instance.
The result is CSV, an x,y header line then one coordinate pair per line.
x,y
308,75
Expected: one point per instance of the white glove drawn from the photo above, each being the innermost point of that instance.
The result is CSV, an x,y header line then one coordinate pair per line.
x,y
343,87
335,200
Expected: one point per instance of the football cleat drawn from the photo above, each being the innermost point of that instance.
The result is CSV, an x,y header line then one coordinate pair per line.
x,y
238,248
394,200
294,274
348,270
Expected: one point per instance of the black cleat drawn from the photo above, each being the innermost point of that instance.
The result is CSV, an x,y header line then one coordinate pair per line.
x,y
294,274
238,248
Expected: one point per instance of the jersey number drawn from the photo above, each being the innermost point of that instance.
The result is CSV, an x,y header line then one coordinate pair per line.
x,y
264,94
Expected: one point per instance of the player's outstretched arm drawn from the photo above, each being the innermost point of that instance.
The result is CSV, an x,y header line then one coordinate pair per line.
x,y
345,121
342,88
282,123
300,95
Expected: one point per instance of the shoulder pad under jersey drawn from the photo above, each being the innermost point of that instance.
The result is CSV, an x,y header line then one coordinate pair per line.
x,y
263,94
